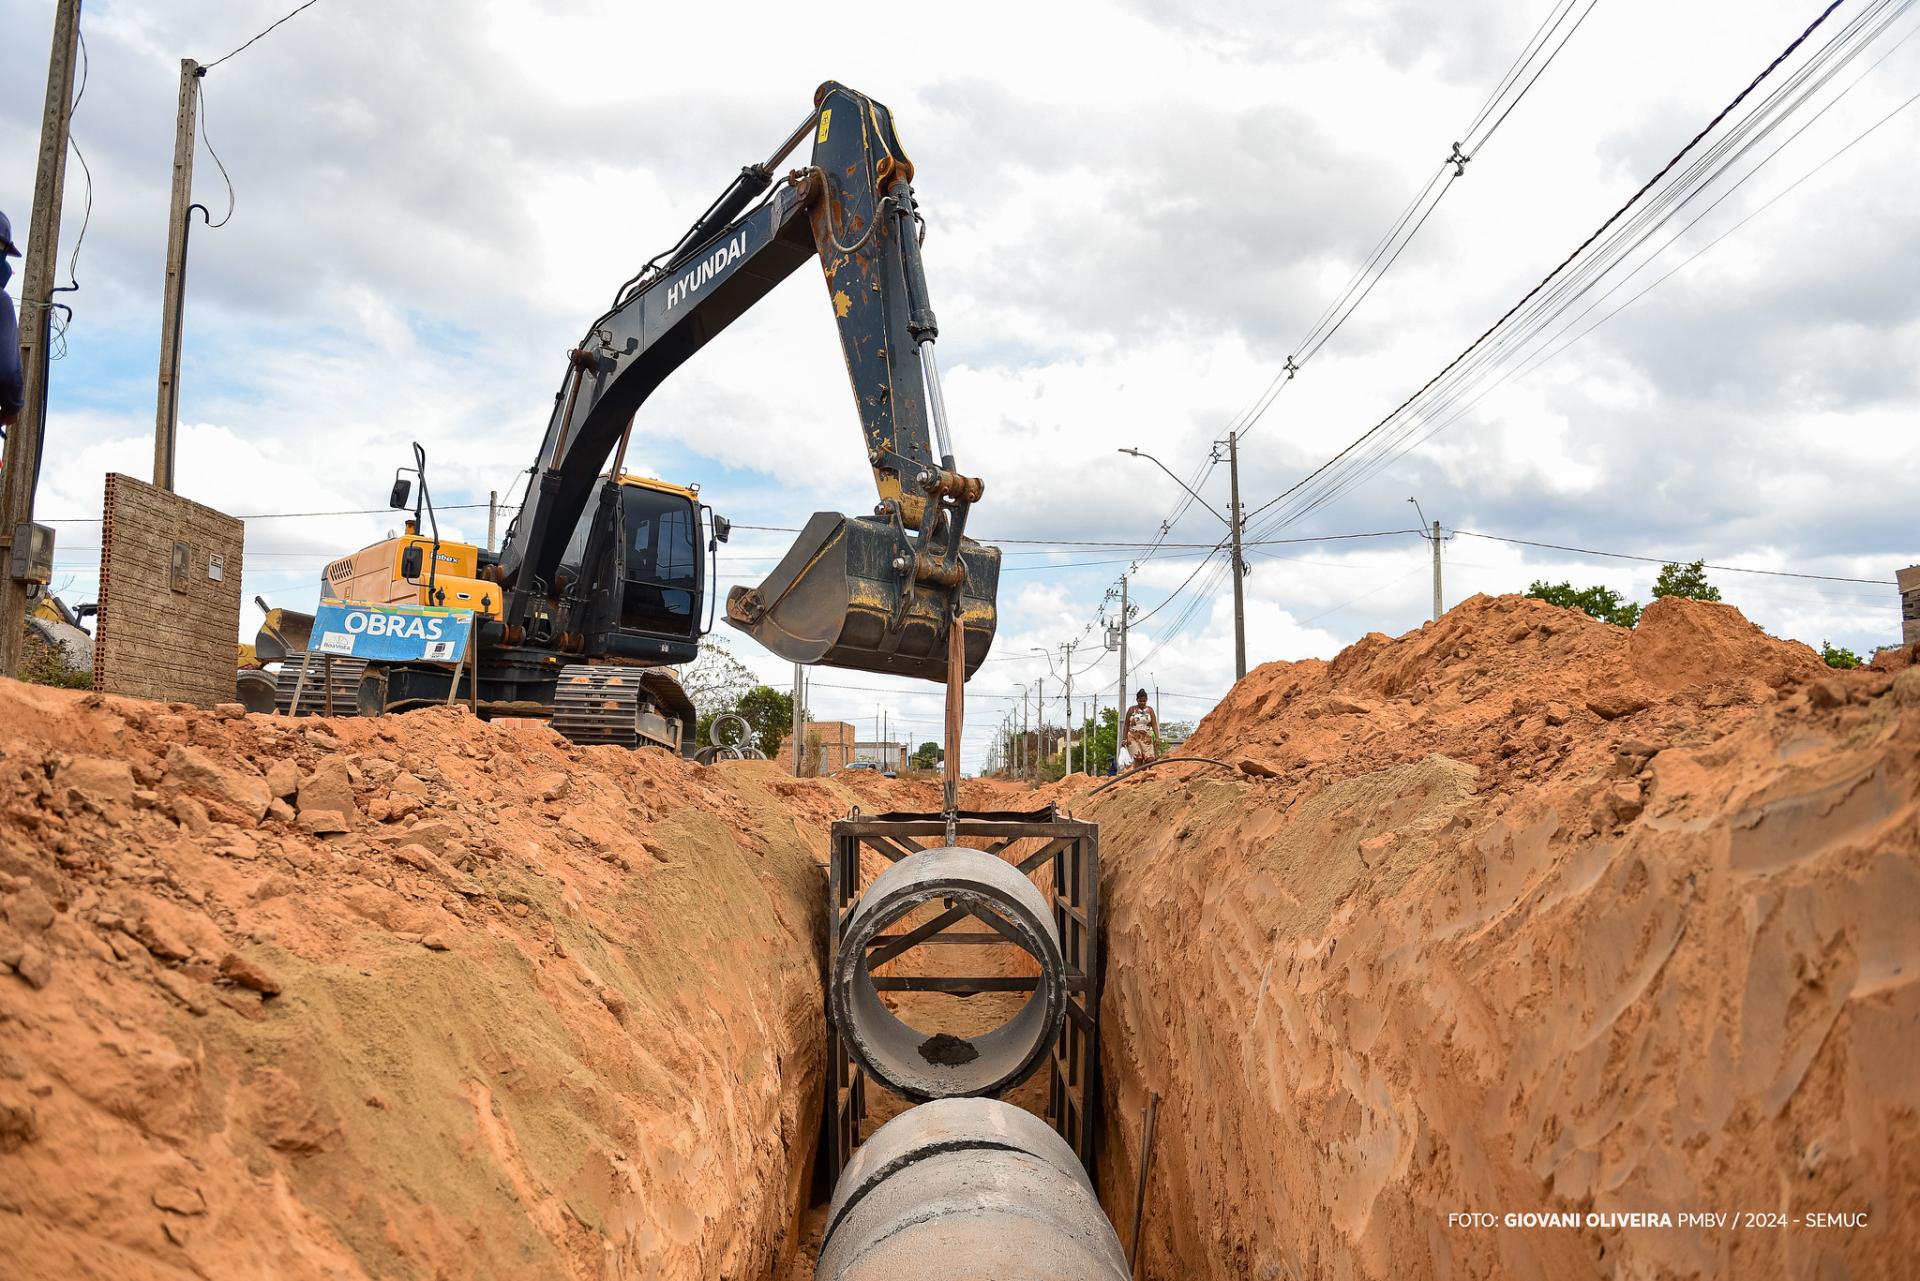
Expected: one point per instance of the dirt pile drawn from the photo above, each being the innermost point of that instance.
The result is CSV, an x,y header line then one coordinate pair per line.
x,y
1525,913
414,997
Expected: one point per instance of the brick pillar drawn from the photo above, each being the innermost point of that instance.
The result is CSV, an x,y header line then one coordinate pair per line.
x,y
1909,580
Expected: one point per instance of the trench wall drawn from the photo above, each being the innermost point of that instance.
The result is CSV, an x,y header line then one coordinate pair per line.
x,y
1592,939
414,997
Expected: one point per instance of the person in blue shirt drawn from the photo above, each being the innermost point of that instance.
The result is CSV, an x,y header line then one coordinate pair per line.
x,y
13,387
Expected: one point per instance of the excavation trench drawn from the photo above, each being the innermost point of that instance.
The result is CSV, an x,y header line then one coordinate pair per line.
x,y
1516,913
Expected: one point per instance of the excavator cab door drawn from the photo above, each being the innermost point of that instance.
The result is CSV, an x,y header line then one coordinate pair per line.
x,y
845,596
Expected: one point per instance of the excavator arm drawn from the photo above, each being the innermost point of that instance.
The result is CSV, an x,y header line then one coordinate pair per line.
x,y
876,593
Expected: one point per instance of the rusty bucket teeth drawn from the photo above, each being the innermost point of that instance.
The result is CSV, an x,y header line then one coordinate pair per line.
x,y
837,599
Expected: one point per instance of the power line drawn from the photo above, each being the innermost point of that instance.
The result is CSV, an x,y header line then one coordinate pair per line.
x,y
200,89
1042,543
361,511
1386,251
1392,244
1546,357
1446,406
1673,560
86,217
1541,34
263,34
1530,83
1546,280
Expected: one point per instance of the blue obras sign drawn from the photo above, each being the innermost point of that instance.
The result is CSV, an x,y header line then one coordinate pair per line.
x,y
392,633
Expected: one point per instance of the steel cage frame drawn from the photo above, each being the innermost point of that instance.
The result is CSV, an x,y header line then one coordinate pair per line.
x,y
1072,847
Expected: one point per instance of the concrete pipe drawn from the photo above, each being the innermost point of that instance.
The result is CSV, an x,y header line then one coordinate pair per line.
x,y
967,1188
908,1060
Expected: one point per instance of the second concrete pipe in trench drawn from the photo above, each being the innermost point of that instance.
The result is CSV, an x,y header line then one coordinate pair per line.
x,y
967,1189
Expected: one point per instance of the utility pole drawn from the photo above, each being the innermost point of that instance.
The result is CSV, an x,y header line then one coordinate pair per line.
x,y
1233,520
1040,711
1436,571
799,692
36,293
1239,563
173,301
1121,706
1434,538
1026,748
1069,707
493,514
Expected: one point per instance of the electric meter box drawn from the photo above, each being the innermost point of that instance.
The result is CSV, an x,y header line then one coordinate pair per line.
x,y
32,553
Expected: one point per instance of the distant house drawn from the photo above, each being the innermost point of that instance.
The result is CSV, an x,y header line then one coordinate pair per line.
x,y
887,755
831,742
1041,744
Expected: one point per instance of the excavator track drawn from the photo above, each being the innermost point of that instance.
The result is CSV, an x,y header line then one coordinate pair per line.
x,y
605,704
345,679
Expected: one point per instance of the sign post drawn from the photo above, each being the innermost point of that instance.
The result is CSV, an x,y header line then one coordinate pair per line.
x,y
388,634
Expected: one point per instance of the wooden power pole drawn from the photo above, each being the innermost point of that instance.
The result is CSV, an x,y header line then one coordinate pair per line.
x,y
174,296
1119,725
36,294
799,717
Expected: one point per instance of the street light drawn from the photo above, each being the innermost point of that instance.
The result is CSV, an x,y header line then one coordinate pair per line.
x,y
1235,525
1048,654
1141,453
1433,538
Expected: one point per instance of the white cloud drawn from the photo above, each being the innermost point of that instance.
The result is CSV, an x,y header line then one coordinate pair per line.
x,y
1135,209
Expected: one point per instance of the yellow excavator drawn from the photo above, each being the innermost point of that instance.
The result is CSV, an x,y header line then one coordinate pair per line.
x,y
605,580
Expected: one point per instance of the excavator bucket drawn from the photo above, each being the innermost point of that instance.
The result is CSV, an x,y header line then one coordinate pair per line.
x,y
283,632
837,600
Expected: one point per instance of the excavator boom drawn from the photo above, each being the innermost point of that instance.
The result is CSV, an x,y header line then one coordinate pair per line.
x,y
875,593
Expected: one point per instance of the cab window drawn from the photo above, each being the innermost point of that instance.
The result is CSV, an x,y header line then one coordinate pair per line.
x,y
662,587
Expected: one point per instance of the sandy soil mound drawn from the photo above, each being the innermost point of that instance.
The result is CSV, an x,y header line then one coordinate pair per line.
x,y
1525,913
416,997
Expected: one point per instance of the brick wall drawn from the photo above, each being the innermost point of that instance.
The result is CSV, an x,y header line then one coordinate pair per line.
x,y
169,622
1909,580
835,745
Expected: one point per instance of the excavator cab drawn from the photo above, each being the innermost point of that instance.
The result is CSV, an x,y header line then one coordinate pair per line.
x,y
850,593
639,561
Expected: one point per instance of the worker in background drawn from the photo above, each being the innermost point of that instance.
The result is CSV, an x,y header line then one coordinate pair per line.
x,y
13,387
1141,730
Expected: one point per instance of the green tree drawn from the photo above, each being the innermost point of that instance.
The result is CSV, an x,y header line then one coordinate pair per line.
x,y
928,755
1685,580
1100,736
770,712
1838,657
1598,601
767,711
715,681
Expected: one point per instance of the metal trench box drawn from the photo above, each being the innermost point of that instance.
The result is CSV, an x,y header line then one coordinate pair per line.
x,y
1027,841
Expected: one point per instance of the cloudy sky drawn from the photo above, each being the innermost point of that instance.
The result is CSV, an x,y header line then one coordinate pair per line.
x,y
1136,211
